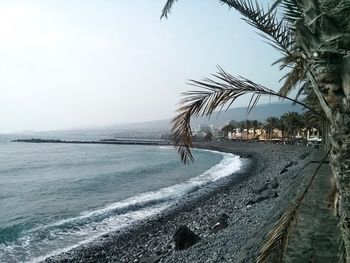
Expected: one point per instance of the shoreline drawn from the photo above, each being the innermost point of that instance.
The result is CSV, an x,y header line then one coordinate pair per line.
x,y
242,196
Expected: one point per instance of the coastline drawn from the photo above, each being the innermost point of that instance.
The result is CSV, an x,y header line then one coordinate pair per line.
x,y
248,197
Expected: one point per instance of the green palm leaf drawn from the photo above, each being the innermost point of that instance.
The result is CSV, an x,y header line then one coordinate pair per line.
x,y
167,8
214,94
295,76
275,31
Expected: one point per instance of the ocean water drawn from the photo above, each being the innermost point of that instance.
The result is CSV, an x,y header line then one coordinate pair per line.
x,y
54,197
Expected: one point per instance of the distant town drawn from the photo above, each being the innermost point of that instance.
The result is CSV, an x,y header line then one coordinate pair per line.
x,y
290,128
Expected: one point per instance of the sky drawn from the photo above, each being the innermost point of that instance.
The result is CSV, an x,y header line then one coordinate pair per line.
x,y
85,63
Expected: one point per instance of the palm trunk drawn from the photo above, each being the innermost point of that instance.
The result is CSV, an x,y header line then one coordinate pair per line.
x,y
325,132
340,155
340,163
337,97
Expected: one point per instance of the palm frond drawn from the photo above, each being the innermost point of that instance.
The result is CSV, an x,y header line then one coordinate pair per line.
x,y
342,250
310,99
213,94
277,240
284,61
277,32
289,61
292,10
304,88
167,8
295,76
274,5
322,101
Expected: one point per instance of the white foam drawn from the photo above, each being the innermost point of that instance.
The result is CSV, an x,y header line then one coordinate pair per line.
x,y
109,225
228,165
166,147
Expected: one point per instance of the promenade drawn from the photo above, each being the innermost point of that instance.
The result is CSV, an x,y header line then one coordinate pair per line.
x,y
315,238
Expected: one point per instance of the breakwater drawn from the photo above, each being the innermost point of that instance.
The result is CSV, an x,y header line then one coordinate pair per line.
x,y
103,141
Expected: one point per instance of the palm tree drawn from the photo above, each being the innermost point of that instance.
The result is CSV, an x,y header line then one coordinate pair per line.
x,y
208,136
255,125
293,122
282,127
242,126
248,125
313,38
313,122
226,129
270,124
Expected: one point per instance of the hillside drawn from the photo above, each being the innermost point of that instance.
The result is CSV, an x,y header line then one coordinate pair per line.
x,y
154,128
260,113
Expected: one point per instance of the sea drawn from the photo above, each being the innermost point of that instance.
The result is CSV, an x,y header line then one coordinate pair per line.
x,y
55,197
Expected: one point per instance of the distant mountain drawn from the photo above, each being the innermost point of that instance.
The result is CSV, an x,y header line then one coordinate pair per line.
x,y
259,112
154,128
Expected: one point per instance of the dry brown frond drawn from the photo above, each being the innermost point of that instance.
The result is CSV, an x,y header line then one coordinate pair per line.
x,y
277,240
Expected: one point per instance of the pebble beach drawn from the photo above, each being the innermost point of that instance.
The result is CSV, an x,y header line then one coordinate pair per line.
x,y
249,201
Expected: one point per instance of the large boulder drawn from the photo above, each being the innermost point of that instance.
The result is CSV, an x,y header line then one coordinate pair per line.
x,y
184,238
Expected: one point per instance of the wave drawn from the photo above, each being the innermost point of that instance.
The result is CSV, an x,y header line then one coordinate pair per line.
x,y
36,244
166,147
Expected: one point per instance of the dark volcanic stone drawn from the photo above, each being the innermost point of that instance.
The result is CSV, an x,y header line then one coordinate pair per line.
x,y
283,170
274,184
289,165
184,238
221,223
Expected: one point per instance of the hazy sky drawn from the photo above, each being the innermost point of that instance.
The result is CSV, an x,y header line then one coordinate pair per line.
x,y
69,64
